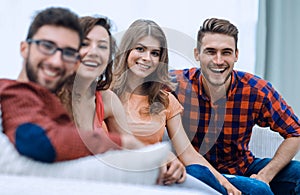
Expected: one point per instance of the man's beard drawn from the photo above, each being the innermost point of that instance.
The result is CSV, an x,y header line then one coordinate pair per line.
x,y
211,82
207,78
32,76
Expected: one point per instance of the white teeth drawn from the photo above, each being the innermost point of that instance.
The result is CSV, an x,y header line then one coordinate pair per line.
x,y
50,73
218,70
144,66
94,64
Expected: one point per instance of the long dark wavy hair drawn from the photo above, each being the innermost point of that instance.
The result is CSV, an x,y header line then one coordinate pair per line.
x,y
104,80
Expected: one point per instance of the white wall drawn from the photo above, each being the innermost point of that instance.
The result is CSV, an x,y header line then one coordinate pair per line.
x,y
180,19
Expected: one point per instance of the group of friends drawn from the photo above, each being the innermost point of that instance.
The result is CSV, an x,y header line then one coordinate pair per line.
x,y
78,94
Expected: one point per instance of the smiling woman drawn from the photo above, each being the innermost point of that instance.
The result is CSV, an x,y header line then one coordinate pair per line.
x,y
91,83
144,58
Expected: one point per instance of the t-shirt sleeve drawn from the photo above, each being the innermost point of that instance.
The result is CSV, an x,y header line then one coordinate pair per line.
x,y
174,107
40,128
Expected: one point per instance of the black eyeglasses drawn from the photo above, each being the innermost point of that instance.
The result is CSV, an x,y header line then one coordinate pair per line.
x,y
69,55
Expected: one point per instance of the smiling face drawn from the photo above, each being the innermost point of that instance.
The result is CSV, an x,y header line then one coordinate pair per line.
x,y
49,71
217,56
144,58
95,53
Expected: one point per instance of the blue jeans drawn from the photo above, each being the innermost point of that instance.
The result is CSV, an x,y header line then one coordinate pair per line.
x,y
246,185
203,174
286,182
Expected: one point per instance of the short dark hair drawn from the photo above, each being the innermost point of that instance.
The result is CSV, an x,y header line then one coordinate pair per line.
x,y
55,16
215,25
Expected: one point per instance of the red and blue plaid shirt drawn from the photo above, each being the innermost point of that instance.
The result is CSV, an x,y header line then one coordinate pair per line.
x,y
221,131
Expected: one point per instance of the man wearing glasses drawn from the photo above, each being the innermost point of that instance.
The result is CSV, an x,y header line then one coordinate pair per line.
x,y
54,74
33,118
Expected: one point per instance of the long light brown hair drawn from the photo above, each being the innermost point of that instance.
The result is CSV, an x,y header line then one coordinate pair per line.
x,y
153,85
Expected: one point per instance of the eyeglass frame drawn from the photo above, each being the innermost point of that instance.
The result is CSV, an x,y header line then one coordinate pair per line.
x,y
62,50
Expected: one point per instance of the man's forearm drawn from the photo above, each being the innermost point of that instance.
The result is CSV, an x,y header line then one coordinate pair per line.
x,y
284,154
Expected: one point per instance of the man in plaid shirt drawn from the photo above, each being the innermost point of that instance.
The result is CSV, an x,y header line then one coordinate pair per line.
x,y
221,106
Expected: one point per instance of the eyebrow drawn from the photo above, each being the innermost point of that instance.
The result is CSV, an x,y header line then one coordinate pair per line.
x,y
101,40
228,49
225,49
140,44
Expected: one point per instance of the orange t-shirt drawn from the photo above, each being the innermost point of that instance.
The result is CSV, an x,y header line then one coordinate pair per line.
x,y
149,128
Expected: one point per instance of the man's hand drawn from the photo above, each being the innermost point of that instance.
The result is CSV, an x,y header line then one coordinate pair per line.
x,y
260,177
231,190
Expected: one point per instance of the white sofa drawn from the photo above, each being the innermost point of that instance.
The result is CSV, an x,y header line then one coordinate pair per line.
x,y
33,185
115,172
265,142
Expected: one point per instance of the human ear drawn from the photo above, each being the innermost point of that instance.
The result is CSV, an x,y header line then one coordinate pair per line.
x,y
196,54
24,49
236,55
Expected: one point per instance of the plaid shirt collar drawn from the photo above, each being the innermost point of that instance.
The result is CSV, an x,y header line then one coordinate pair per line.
x,y
197,82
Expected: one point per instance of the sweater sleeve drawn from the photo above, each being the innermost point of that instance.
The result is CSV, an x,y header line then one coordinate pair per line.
x,y
40,128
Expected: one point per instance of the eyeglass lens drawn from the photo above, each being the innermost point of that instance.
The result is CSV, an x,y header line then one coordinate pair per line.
x,y
49,48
